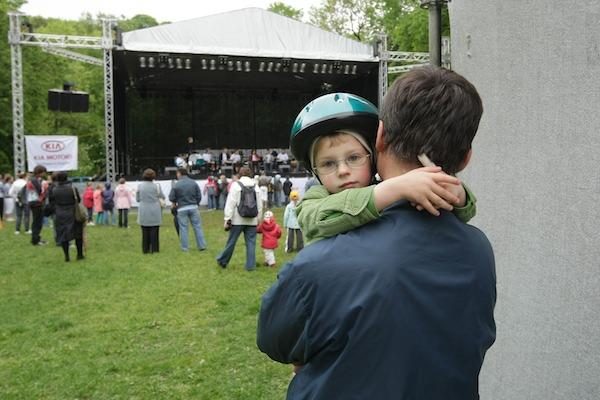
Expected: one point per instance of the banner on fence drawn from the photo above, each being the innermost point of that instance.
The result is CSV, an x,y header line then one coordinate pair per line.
x,y
56,153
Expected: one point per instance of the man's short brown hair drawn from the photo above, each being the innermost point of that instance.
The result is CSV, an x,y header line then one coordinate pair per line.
x,y
434,111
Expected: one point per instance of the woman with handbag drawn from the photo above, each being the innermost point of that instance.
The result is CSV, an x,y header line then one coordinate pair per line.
x,y
64,199
149,196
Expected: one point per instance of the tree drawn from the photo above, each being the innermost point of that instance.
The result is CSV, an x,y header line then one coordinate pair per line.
x,y
356,19
139,21
285,10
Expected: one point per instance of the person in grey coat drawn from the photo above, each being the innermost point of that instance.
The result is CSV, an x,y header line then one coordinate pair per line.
x,y
148,196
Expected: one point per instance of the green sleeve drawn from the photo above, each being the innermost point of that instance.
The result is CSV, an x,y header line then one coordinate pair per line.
x,y
469,210
322,215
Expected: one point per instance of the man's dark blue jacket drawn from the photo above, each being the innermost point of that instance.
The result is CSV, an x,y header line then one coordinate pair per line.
x,y
401,308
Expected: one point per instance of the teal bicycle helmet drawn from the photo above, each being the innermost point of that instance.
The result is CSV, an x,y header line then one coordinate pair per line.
x,y
329,113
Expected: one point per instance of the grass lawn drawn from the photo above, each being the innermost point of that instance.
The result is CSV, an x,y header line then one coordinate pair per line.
x,y
125,325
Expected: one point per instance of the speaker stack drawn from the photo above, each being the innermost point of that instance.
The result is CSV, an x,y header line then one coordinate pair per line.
x,y
68,100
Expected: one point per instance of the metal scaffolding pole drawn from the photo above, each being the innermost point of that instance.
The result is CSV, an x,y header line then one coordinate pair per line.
x,y
435,29
109,120
16,68
383,67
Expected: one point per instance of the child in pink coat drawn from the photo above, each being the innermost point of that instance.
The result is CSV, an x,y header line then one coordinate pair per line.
x,y
123,201
98,204
271,232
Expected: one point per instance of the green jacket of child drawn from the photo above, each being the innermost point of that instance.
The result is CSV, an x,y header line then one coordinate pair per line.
x,y
322,214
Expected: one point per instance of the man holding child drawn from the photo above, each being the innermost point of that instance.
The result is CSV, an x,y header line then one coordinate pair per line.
x,y
402,307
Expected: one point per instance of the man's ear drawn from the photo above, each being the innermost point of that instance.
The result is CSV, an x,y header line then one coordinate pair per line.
x,y
465,160
379,140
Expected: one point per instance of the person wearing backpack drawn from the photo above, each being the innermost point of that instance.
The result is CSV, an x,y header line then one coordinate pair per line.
x,y
35,195
242,209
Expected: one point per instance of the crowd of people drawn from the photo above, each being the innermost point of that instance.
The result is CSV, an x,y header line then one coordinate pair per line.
x,y
212,162
40,198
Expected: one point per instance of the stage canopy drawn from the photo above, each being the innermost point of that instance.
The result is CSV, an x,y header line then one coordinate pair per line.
x,y
234,80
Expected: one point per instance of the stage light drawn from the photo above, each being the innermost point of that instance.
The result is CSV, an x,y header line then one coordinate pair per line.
x,y
270,66
222,62
285,63
346,69
171,63
204,64
247,66
337,66
295,68
188,63
261,66
178,63
151,62
354,69
302,66
230,65
142,62
323,68
213,64
277,67
316,68
238,66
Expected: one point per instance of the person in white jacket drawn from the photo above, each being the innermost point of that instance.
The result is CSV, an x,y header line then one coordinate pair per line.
x,y
21,206
236,224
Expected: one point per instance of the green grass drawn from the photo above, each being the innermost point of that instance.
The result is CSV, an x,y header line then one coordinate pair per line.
x,y
125,325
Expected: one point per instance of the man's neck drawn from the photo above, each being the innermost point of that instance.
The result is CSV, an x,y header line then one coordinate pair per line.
x,y
389,167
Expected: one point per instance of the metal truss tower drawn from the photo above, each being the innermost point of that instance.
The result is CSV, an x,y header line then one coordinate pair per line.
x,y
58,44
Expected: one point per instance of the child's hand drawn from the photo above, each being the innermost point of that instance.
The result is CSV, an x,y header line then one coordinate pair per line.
x,y
430,188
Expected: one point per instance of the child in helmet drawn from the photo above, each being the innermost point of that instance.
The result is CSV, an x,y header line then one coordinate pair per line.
x,y
271,232
335,136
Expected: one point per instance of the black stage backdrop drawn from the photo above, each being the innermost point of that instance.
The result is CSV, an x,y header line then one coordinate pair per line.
x,y
156,110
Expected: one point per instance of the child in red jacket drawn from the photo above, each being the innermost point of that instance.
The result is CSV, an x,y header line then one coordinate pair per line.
x,y
271,232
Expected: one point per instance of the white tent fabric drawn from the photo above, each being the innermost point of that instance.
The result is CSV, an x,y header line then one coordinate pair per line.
x,y
251,32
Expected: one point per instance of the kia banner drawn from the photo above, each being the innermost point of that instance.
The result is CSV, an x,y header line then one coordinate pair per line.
x,y
56,153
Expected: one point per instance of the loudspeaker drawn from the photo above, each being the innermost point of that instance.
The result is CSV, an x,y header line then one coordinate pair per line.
x,y
68,101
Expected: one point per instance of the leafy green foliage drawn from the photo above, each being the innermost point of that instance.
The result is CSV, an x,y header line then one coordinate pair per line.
x,y
356,19
286,10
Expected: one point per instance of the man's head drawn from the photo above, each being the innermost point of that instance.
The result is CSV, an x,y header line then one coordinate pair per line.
x,y
181,172
245,171
39,170
430,110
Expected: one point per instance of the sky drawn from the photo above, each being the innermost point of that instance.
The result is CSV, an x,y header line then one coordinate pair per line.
x,y
161,10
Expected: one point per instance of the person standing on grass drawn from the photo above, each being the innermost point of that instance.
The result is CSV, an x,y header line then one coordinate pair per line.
x,y
88,201
290,223
35,195
63,199
3,194
17,192
402,307
148,196
123,201
108,204
271,232
98,204
185,196
210,190
236,224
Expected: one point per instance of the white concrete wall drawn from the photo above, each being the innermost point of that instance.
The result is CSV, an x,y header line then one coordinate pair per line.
x,y
536,173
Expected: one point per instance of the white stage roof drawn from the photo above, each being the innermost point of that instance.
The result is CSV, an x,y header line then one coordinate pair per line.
x,y
250,32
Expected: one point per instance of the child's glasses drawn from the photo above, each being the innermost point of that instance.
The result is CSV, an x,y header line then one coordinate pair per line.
x,y
354,160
